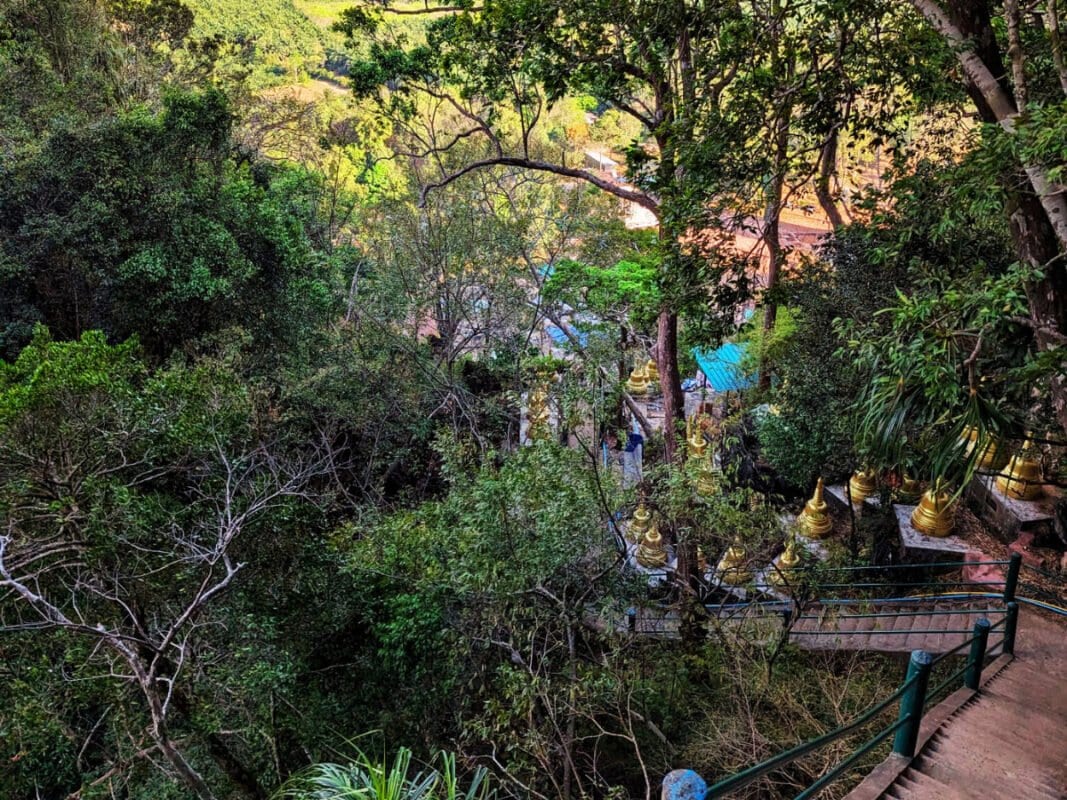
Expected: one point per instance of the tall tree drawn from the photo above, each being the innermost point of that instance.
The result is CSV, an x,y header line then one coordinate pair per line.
x,y
1009,82
498,67
740,105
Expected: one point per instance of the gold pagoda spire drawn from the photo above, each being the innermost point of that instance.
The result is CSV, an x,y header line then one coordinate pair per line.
x,y
694,436
732,568
652,551
862,484
1022,477
910,490
936,513
786,564
639,523
707,482
637,383
814,521
991,455
651,371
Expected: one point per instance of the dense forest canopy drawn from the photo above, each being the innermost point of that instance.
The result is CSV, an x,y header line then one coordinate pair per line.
x,y
281,283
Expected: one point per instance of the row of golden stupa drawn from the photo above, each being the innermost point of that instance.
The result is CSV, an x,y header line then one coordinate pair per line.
x,y
732,569
643,379
934,514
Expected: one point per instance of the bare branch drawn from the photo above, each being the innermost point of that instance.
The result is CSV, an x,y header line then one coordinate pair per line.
x,y
640,198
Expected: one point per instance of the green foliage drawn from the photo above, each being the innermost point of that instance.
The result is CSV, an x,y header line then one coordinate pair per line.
x,y
148,227
61,64
285,45
908,297
370,779
947,350
625,291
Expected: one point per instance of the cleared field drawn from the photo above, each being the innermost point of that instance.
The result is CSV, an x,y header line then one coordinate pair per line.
x,y
322,12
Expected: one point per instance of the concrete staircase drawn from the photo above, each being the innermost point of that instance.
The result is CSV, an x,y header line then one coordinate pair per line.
x,y
1008,741
886,628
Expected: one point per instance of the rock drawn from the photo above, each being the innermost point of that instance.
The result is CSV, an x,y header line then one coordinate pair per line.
x,y
684,784
982,573
1023,545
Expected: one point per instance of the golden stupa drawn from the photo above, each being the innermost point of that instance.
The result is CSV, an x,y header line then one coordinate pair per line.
x,y
707,482
814,520
651,370
1021,479
694,436
637,383
991,455
862,484
910,490
652,551
732,568
786,564
537,414
639,523
936,513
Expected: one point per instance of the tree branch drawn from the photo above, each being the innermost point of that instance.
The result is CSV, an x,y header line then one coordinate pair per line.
x,y
639,198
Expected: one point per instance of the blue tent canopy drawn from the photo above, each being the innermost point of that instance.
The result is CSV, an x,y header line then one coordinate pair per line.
x,y
722,367
560,338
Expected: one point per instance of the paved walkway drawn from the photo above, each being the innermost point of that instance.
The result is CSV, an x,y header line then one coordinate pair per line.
x,y
1008,742
885,628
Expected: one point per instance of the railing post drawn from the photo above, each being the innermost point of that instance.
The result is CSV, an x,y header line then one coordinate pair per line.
x,y
972,678
1012,580
1011,622
683,784
911,703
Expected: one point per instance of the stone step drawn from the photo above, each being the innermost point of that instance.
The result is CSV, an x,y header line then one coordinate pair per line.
x,y
955,767
917,785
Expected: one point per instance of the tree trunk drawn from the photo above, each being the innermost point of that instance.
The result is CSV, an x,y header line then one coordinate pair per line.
x,y
185,771
986,79
670,381
1038,220
693,629
827,169
772,239
1047,298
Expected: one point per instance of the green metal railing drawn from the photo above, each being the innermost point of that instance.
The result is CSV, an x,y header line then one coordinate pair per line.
x,y
914,694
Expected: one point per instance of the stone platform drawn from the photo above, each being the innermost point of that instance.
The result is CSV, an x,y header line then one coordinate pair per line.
x,y
943,548
837,497
1014,517
815,547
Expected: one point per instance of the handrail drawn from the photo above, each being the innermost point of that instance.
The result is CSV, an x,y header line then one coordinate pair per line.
x,y
913,692
753,773
877,633
848,761
913,695
911,583
932,694
927,613
936,564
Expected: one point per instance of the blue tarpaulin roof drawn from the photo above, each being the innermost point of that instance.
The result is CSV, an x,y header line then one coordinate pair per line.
x,y
559,337
722,367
